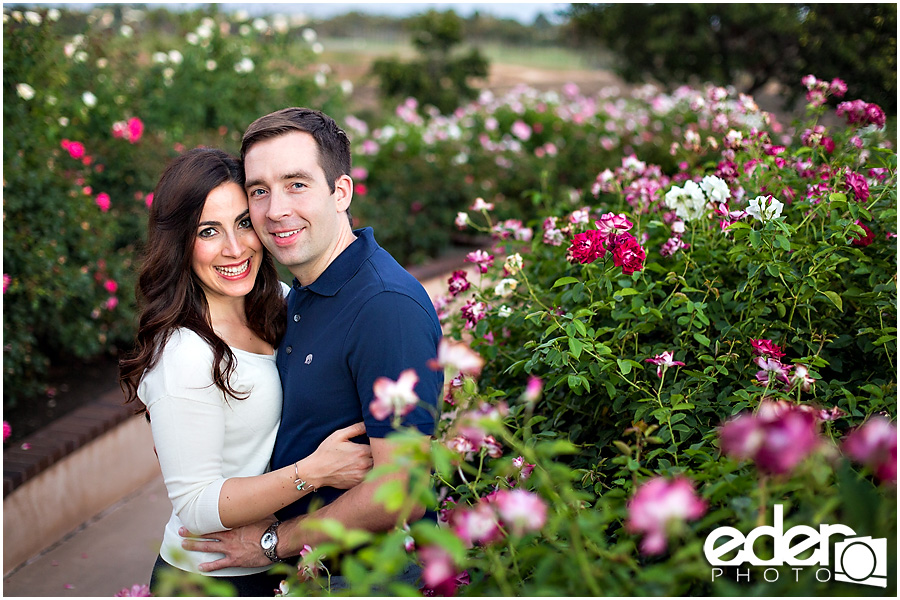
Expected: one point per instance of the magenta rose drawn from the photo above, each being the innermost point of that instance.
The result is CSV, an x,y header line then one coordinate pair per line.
x,y
628,254
586,247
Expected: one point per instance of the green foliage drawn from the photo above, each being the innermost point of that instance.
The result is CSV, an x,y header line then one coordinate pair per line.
x,y
189,78
439,78
673,43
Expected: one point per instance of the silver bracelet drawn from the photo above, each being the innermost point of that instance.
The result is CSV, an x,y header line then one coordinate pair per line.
x,y
301,485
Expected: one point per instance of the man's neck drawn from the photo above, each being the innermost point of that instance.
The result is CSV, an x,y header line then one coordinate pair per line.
x,y
309,276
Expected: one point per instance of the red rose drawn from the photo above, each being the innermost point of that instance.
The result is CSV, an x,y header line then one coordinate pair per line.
x,y
628,254
586,247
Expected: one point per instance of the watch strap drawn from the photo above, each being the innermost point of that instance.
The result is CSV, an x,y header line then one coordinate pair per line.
x,y
269,550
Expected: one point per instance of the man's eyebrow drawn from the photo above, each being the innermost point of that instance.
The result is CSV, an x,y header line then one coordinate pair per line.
x,y
286,177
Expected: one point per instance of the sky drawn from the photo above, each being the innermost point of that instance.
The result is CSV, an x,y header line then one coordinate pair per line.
x,y
524,12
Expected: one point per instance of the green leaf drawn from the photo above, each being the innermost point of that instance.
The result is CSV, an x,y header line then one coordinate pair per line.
x,y
835,298
575,347
624,366
564,281
702,339
837,197
755,239
783,242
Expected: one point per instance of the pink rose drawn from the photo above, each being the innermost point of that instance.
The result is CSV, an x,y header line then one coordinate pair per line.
x,y
482,259
766,348
135,129
394,396
874,444
777,438
103,201
663,361
458,283
136,591
521,511
75,149
610,224
657,505
858,185
476,525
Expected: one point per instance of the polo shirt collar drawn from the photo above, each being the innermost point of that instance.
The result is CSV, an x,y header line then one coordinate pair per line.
x,y
345,266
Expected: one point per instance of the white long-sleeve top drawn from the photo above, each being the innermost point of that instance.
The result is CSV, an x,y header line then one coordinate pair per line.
x,y
202,439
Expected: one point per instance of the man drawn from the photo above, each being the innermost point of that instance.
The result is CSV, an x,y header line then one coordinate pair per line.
x,y
354,314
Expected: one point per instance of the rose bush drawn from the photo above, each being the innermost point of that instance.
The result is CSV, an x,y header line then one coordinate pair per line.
x,y
95,105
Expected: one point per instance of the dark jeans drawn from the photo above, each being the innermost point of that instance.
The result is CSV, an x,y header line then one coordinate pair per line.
x,y
258,584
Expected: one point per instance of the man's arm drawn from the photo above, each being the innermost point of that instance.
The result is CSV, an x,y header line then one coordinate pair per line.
x,y
355,509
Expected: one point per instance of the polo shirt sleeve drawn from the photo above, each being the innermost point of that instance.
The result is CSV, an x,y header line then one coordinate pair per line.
x,y
188,424
391,333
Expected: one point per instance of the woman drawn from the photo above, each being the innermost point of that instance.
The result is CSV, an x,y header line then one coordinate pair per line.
x,y
212,313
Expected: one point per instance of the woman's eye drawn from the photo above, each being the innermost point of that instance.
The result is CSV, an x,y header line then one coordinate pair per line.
x,y
245,223
208,232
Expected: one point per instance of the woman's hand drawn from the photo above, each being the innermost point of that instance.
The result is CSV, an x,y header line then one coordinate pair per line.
x,y
338,462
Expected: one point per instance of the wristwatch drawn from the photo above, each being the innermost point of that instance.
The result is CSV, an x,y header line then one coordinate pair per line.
x,y
269,540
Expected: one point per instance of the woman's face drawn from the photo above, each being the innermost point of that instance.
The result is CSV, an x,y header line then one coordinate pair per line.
x,y
227,253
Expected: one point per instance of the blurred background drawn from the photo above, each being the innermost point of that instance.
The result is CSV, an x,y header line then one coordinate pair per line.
x,y
98,98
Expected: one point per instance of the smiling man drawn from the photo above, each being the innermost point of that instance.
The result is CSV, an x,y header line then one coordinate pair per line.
x,y
354,315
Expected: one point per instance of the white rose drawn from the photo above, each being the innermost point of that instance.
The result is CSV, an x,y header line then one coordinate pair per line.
x,y
25,91
764,208
715,188
506,287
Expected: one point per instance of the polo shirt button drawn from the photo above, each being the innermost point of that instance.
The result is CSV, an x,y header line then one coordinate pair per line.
x,y
288,349
296,318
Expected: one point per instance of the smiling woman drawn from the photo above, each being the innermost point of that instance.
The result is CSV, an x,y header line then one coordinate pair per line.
x,y
227,252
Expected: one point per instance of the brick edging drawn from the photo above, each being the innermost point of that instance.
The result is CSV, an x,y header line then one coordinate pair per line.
x,y
62,437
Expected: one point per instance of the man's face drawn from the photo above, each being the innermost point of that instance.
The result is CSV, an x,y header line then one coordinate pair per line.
x,y
295,213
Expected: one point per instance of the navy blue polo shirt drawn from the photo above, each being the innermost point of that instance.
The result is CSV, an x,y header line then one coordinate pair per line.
x,y
364,317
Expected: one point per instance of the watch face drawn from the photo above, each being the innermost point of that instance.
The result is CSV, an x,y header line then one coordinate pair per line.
x,y
268,540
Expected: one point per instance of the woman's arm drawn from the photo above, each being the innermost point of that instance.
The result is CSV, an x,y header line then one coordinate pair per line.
x,y
337,463
188,425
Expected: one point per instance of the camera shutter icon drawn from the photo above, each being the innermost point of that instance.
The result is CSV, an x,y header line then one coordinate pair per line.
x,y
861,560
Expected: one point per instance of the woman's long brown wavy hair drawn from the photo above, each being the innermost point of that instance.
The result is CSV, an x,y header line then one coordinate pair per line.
x,y
168,292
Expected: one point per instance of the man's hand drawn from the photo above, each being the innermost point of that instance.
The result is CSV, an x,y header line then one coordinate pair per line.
x,y
239,545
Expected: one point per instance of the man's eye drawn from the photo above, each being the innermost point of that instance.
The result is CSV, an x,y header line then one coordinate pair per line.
x,y
297,185
257,192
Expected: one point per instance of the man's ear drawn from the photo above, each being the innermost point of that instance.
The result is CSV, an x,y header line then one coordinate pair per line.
x,y
343,192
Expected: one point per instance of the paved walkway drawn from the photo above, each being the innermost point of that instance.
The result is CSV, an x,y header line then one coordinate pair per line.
x,y
114,550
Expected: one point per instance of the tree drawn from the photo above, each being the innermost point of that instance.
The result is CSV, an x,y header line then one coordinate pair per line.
x,y
759,43
439,77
